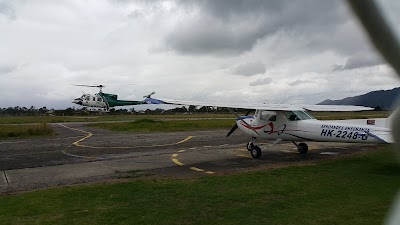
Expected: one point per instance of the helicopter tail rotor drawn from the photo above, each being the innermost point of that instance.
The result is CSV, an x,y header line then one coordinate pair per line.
x,y
149,95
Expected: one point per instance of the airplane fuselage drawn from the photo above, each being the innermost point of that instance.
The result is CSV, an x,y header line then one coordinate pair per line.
x,y
300,126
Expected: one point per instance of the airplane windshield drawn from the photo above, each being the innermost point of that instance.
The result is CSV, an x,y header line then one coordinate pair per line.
x,y
303,115
298,115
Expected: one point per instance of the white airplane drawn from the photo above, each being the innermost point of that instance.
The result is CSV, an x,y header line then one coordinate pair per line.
x,y
284,122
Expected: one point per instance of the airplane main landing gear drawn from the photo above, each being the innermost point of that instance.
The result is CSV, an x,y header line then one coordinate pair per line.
x,y
250,146
256,152
301,147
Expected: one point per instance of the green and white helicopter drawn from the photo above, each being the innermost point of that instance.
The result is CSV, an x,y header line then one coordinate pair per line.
x,y
103,101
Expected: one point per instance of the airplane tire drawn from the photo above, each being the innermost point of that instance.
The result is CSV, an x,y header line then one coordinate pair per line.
x,y
302,148
250,146
256,152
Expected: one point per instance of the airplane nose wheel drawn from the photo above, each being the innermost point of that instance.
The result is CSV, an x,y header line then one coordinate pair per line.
x,y
301,147
256,152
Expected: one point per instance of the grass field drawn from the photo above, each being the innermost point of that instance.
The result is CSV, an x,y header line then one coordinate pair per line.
x,y
101,118
147,123
25,131
356,190
63,119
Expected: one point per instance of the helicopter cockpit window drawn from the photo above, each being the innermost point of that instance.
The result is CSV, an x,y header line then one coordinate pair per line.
x,y
268,115
87,98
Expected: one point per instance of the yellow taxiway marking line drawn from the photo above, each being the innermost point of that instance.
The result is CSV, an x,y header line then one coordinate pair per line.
x,y
288,151
180,151
77,143
177,162
223,145
290,145
245,156
186,139
243,149
196,169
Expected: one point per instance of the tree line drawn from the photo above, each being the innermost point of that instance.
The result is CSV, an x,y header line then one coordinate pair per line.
x,y
71,111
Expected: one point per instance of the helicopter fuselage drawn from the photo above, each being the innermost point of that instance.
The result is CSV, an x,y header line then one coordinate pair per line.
x,y
103,100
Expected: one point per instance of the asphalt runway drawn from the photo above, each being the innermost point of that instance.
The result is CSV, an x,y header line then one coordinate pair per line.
x,y
81,154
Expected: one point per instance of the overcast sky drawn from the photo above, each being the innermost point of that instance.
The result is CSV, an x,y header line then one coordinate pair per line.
x,y
210,50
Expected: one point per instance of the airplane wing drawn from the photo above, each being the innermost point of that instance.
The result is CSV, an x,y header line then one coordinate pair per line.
x,y
271,107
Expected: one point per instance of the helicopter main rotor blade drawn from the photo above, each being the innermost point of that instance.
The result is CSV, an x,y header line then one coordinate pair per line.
x,y
84,85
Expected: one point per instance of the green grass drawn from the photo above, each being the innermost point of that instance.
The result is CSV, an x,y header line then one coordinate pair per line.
x,y
25,131
150,125
350,115
356,190
100,118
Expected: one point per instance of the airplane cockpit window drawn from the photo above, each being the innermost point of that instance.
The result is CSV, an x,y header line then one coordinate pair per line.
x,y
298,115
268,115
87,98
290,116
99,99
303,115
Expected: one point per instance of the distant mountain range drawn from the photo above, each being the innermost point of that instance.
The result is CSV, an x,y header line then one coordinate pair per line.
x,y
384,99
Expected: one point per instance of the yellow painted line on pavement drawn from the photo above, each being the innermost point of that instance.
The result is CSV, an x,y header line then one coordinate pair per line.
x,y
196,169
180,151
77,143
243,149
177,162
245,156
186,139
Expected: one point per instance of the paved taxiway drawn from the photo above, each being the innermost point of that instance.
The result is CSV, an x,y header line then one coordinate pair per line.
x,y
83,154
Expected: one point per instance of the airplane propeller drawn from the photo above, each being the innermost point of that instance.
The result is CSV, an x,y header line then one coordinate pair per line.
x,y
236,126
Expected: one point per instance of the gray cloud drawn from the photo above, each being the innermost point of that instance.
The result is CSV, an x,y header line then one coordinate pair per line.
x,y
233,27
7,10
358,61
4,69
298,82
261,81
249,69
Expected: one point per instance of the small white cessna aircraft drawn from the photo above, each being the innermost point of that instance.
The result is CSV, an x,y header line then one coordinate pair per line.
x,y
293,123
